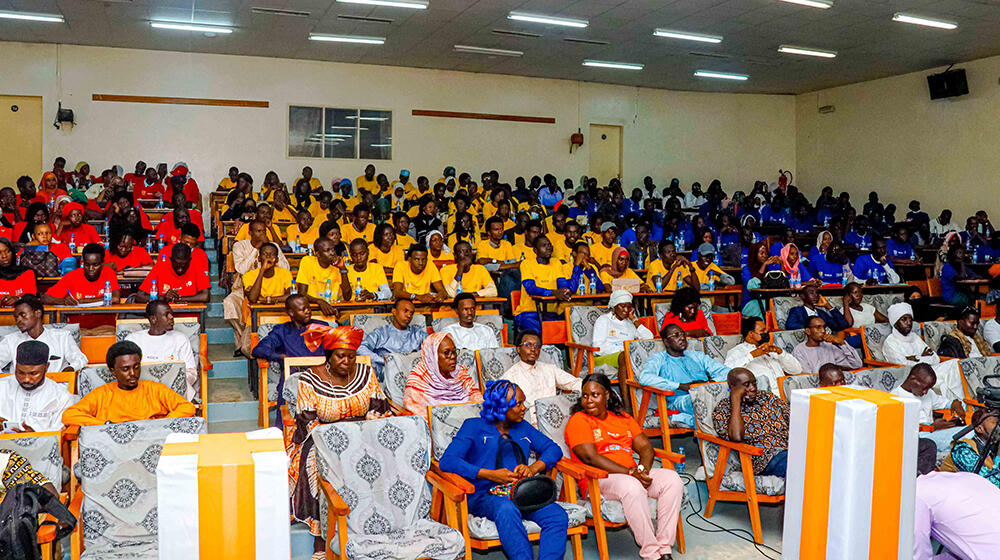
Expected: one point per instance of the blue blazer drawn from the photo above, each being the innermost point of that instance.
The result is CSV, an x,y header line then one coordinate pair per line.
x,y
798,317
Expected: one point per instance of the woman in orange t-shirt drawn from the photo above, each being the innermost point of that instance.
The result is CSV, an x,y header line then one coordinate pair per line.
x,y
602,435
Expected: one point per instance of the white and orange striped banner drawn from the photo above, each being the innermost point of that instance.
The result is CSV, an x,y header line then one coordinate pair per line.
x,y
852,467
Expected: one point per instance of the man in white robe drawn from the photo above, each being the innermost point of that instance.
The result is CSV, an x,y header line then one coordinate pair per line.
x,y
904,347
30,402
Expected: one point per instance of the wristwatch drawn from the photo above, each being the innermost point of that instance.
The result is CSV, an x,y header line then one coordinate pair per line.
x,y
640,468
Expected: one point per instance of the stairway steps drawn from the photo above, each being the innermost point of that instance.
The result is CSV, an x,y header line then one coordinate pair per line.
x,y
220,335
232,411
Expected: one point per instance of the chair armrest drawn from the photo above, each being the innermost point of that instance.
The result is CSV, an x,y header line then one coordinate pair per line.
x,y
665,455
582,347
973,402
584,471
926,428
736,446
70,433
653,390
455,480
570,469
336,503
75,505
880,364
286,417
452,491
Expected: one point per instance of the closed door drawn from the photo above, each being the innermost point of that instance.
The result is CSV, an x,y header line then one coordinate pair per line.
x,y
21,130
605,152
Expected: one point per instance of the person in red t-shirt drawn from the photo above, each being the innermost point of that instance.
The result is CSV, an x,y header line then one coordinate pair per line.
x,y
50,188
15,280
168,231
25,192
139,174
124,253
72,229
8,207
86,284
189,236
176,280
180,180
148,187
41,235
36,213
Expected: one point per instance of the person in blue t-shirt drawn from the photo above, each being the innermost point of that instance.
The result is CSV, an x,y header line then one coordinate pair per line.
x,y
952,271
860,236
898,246
774,212
874,268
830,268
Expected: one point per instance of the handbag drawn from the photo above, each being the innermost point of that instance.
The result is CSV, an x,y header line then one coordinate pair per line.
x,y
774,279
528,494
44,263
19,514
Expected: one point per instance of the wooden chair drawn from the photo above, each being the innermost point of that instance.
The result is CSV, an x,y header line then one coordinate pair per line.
x,y
67,377
655,422
580,321
717,453
96,347
287,412
872,338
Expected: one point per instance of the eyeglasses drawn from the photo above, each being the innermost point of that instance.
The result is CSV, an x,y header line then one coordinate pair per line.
x,y
531,345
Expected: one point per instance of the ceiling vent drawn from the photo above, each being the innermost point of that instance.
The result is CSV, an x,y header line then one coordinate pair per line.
x,y
584,41
516,33
279,12
365,19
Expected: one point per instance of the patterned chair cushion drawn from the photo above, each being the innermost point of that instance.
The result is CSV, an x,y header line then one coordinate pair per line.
x,y
639,352
117,472
581,322
881,302
873,337
495,362
446,420
494,322
788,340
484,529
421,539
883,379
782,306
41,451
809,381
705,398
717,346
290,392
73,328
368,323
397,369
706,306
171,374
934,330
975,369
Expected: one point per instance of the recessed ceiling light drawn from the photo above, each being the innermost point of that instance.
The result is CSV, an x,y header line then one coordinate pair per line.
x,y
487,51
687,36
721,75
29,16
790,49
535,18
347,39
616,65
821,4
190,27
926,22
412,4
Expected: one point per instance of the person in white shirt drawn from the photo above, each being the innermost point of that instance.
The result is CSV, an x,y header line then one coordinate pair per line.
x,y
942,225
467,333
904,347
991,329
695,198
161,343
757,354
918,384
64,352
611,330
537,379
30,400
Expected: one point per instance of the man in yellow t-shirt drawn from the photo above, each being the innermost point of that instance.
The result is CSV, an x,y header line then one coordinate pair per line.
x,y
404,181
706,270
415,278
318,272
669,268
227,183
526,249
374,284
602,252
562,246
495,249
315,184
268,281
360,227
264,214
304,232
541,275
474,278
367,181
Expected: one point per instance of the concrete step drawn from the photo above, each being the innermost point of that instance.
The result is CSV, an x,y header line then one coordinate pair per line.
x,y
229,426
229,367
220,335
217,290
213,255
232,411
228,391
302,542
215,309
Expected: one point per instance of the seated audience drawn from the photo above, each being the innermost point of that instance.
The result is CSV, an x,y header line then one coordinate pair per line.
x,y
366,282
821,347
952,272
856,312
161,343
436,249
919,385
759,355
341,389
959,511
619,270
964,340
360,226
72,230
438,378
537,379
707,271
465,276
685,312
15,280
905,347
385,251
965,452
490,452
755,418
612,329
601,434
583,273
541,275
831,375
304,232
323,277
467,333
603,249
124,253
41,240
127,398
285,339
398,337
815,305
64,353
874,267
417,277
677,369
991,328
169,230
29,399
264,213
176,281
87,284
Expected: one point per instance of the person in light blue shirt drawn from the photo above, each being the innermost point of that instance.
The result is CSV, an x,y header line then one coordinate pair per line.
x,y
398,337
677,369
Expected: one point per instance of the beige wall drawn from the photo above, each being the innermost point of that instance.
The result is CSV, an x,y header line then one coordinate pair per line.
x,y
693,136
887,135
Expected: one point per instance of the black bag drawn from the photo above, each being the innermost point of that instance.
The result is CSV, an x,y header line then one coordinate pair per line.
x,y
44,263
773,280
528,494
19,513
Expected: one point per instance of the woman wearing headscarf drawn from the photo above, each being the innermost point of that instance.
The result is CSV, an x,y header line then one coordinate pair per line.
x,y
619,269
339,390
438,378
818,253
759,262
48,189
72,229
484,452
613,329
426,220
36,213
15,280
82,179
952,239
792,266
436,249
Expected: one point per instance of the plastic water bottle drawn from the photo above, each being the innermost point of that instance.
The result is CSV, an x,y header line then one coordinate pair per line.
x,y
458,290
711,282
149,244
294,287
159,202
309,250
795,280
680,242
107,293
153,292
826,221
659,284
975,254
593,286
680,282
582,289
328,294
107,230
680,466
845,274
295,245
160,242
357,290
72,243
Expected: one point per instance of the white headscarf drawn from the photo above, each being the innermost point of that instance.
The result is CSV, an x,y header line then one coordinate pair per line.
x,y
619,296
897,310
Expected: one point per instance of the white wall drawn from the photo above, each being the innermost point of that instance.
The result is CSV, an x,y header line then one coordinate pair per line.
x,y
693,136
887,135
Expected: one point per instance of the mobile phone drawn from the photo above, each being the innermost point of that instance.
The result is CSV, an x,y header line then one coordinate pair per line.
x,y
9,426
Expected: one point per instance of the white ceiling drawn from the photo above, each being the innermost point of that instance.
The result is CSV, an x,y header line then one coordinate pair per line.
x,y
869,44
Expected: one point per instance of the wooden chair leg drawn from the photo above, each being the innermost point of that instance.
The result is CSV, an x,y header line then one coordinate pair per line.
x,y
577,544
716,481
751,490
577,361
679,541
600,530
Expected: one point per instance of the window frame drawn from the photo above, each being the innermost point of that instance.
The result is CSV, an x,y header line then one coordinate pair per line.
x,y
357,143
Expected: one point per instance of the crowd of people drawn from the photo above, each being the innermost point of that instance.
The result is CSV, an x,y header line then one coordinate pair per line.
x,y
450,244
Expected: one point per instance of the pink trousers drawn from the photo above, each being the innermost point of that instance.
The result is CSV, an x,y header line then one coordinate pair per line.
x,y
668,490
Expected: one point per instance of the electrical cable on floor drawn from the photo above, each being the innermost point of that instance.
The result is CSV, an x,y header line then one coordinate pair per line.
x,y
739,533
